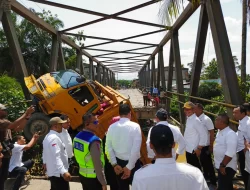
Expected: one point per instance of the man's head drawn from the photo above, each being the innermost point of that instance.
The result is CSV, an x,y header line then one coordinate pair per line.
x,y
20,140
125,111
3,111
90,122
221,121
161,115
188,108
56,124
247,106
67,124
198,109
239,112
162,141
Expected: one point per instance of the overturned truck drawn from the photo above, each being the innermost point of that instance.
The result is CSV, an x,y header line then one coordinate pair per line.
x,y
68,93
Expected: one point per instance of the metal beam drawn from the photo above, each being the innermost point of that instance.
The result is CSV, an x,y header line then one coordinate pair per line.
x,y
54,54
33,18
158,72
98,73
184,16
15,49
61,60
170,76
199,50
162,70
108,39
111,59
91,77
179,79
153,83
79,61
106,16
224,54
119,63
119,58
122,52
148,74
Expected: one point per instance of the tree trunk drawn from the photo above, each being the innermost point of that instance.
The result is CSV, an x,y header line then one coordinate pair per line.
x,y
243,46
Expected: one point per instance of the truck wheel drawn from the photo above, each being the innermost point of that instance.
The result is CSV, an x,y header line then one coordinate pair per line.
x,y
37,122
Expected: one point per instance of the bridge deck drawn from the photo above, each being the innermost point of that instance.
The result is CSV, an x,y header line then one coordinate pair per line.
x,y
136,98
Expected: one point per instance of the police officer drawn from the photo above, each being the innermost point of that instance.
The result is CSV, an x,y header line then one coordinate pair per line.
x,y
89,155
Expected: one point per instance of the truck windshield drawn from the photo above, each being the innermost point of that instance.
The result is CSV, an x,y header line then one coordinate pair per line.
x,y
66,78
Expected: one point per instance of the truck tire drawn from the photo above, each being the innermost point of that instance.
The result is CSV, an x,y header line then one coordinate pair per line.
x,y
37,122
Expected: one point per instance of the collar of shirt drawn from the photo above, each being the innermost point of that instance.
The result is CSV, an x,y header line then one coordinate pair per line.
x,y
162,122
123,119
54,132
201,116
192,116
224,130
165,161
244,120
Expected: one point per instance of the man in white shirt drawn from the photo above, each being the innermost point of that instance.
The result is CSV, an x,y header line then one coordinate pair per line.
x,y
55,156
161,118
225,153
166,173
17,168
206,157
65,137
240,114
123,144
195,135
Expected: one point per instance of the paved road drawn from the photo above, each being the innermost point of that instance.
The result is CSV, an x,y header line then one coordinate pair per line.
x,y
136,98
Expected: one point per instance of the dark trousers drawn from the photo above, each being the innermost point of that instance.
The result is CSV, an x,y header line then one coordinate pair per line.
x,y
225,182
4,172
193,160
241,159
19,173
110,175
90,183
145,100
124,183
207,164
58,183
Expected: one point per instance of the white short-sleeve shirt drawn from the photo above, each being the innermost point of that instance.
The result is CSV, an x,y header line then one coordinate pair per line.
x,y
208,124
16,158
225,144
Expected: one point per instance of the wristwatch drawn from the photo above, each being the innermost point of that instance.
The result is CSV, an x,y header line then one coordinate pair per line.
x,y
222,165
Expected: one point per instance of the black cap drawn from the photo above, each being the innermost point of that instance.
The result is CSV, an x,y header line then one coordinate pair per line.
x,y
162,135
161,113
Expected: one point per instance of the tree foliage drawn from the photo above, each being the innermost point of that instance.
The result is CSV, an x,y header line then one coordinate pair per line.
x,y
12,96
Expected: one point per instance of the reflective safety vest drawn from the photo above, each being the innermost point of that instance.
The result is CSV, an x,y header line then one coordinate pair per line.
x,y
81,145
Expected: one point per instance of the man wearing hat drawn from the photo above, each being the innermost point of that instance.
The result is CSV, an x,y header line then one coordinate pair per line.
x,y
195,135
161,119
166,173
5,135
89,155
55,157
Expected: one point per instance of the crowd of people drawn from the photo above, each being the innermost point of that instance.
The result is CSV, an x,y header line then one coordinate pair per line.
x,y
153,96
120,152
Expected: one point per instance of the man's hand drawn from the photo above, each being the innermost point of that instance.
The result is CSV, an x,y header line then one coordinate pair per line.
x,y
67,176
36,136
1,157
197,152
44,168
118,170
126,173
222,170
104,187
29,111
211,148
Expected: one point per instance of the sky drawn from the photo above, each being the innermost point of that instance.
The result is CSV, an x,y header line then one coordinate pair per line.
x,y
232,11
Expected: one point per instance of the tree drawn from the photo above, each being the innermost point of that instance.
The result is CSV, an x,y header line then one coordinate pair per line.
x,y
211,71
190,65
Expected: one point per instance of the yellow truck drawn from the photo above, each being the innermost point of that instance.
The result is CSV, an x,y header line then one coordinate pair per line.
x,y
68,93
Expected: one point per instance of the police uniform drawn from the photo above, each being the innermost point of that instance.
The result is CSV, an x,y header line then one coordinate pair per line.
x,y
89,155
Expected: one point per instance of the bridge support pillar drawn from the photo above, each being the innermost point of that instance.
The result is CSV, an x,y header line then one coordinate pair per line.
x,y
158,72
91,69
179,79
199,51
148,75
104,76
224,54
153,83
61,55
162,69
54,54
79,62
14,46
170,77
98,73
